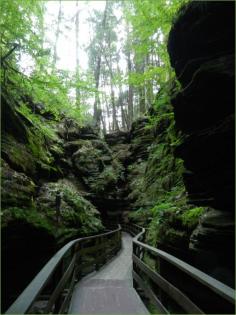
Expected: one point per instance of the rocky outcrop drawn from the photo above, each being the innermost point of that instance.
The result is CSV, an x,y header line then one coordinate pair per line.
x,y
141,137
201,48
25,249
212,242
69,130
17,189
75,211
36,164
117,137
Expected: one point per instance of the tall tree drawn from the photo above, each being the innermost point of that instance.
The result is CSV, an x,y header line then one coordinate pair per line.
x,y
59,18
130,88
97,69
122,99
130,93
77,52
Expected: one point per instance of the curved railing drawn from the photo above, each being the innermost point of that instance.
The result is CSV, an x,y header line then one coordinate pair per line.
x,y
171,284
52,288
174,286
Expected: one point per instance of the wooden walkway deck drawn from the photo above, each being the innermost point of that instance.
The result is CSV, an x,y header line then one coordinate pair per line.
x,y
110,290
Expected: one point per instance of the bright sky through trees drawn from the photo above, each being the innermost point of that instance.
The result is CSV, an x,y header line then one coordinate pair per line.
x,y
66,43
101,61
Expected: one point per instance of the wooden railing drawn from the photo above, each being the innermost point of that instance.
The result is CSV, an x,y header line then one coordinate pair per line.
x,y
174,286
50,291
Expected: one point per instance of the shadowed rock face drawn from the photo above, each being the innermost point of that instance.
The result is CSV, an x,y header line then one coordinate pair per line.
x,y
201,48
25,250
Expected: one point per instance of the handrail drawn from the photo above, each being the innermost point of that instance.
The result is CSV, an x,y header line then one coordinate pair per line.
x,y
25,301
222,290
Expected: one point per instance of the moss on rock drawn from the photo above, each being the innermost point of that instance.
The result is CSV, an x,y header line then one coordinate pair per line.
x,y
18,155
95,165
157,189
17,189
76,212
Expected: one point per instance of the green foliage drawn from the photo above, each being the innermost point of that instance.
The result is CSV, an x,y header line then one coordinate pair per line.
x,y
29,215
141,216
22,27
150,22
19,21
38,148
158,209
107,179
191,217
84,213
18,154
76,212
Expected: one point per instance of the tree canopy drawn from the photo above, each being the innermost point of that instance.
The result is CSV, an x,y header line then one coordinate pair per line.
x,y
127,58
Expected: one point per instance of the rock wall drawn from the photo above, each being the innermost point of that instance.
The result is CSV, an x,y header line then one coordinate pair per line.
x,y
34,169
201,48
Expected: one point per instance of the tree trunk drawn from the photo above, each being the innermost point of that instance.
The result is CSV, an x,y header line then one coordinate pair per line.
x,y
77,52
130,94
149,87
57,35
96,116
121,101
115,125
141,92
104,130
108,115
130,90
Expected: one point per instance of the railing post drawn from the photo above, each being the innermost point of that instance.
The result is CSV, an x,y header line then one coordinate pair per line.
x,y
135,286
78,262
59,300
97,265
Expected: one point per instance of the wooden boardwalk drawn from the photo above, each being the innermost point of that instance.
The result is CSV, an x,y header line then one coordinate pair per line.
x,y
110,290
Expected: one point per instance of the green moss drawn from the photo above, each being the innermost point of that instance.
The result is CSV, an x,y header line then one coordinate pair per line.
x,y
158,189
29,215
18,155
158,209
27,156
106,180
191,217
142,216
38,148
17,189
76,212
64,235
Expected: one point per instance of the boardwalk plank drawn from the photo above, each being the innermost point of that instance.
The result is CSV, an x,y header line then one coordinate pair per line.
x,y
110,290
